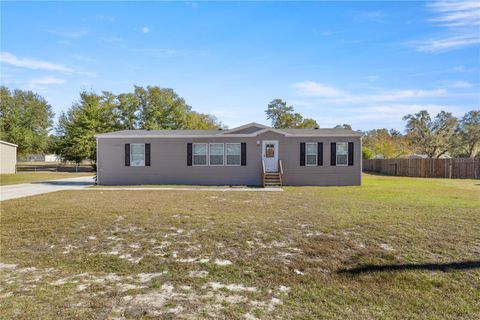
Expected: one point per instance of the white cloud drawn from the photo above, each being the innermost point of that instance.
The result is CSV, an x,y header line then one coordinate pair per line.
x,y
373,78
462,20
145,30
445,44
461,84
457,13
105,18
69,34
27,63
46,81
331,94
314,89
393,112
164,52
11,59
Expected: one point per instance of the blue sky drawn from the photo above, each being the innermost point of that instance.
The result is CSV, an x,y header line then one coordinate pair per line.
x,y
362,63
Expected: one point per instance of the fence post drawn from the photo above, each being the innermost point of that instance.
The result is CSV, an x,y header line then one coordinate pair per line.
x,y
450,169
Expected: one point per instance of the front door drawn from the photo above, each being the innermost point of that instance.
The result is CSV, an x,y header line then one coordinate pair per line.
x,y
270,155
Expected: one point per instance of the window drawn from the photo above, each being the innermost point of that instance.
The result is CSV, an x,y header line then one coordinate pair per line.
x,y
233,154
200,151
342,154
311,154
137,154
269,150
216,154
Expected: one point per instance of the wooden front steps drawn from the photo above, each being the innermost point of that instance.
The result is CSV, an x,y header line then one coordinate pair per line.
x,y
272,179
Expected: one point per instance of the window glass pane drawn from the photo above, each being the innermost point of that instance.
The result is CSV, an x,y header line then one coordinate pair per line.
x,y
311,148
311,159
137,154
216,160
216,149
233,154
200,148
342,159
233,160
233,149
342,148
200,160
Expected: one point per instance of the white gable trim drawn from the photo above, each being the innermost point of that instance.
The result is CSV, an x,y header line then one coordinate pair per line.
x,y
248,125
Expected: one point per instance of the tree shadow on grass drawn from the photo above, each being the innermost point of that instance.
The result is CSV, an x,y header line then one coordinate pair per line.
x,y
65,183
452,266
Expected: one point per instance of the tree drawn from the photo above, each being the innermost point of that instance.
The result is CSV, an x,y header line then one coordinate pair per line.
x,y
468,135
201,121
344,126
390,144
367,153
150,108
25,119
431,137
284,116
77,128
128,111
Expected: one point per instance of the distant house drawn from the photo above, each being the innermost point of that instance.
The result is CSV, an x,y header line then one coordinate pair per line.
x,y
424,156
41,158
8,157
252,154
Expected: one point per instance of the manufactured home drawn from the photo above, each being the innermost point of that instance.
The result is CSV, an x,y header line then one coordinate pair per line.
x,y
253,154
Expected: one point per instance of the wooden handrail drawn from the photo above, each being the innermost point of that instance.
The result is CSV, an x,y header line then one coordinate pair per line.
x,y
263,172
280,166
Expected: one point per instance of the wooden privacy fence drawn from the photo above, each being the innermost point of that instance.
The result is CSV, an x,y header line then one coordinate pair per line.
x,y
460,168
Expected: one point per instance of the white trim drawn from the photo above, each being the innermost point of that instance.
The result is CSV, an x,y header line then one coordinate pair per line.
x,y
248,125
240,154
206,155
316,154
336,155
144,160
223,155
8,143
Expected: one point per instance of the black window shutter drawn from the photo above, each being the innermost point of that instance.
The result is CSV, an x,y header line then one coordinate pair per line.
x,y
302,153
320,153
333,154
147,154
244,153
127,154
189,154
350,153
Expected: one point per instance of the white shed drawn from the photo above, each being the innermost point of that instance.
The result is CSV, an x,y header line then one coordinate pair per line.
x,y
8,157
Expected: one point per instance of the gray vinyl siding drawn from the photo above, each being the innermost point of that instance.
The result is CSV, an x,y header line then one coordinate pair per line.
x,y
169,163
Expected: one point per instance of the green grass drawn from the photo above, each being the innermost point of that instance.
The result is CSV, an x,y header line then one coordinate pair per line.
x,y
394,248
27,177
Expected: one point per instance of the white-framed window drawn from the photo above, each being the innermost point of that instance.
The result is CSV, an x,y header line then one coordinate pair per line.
x,y
137,154
200,153
311,154
216,154
342,154
233,154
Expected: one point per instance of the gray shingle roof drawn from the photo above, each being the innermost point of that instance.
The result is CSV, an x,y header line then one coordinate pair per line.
x,y
339,132
167,133
323,132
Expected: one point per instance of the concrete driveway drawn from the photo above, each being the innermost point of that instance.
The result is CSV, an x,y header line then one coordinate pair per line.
x,y
15,191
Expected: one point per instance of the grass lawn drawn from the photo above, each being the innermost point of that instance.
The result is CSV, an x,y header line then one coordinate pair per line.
x,y
395,248
27,177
